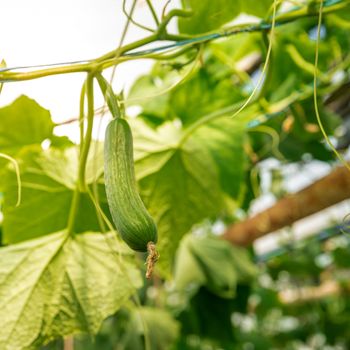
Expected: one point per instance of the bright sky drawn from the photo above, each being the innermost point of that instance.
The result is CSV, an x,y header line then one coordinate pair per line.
x,y
41,32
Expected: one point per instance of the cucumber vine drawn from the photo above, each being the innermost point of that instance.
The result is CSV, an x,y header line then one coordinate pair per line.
x,y
188,175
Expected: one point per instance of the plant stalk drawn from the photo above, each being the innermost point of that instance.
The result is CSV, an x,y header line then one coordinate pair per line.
x,y
81,185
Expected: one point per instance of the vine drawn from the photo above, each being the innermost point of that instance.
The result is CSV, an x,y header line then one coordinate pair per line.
x,y
265,66
18,175
319,121
123,53
224,186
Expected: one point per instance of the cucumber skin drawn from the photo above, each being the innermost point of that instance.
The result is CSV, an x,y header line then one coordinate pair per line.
x,y
129,214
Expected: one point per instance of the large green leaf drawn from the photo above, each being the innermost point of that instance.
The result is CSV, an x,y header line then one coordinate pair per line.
x,y
216,85
234,49
261,8
183,181
24,122
152,91
202,95
180,186
209,15
59,285
207,316
162,328
212,262
145,93
48,180
224,138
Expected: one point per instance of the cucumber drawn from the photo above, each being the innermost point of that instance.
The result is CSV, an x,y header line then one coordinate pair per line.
x,y
129,214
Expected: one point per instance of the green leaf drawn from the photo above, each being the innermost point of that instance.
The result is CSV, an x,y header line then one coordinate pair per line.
x,y
291,66
48,181
187,271
60,142
22,123
235,48
341,257
144,94
209,15
257,8
212,262
131,327
179,184
183,183
203,94
162,329
208,316
225,138
151,92
205,90
59,285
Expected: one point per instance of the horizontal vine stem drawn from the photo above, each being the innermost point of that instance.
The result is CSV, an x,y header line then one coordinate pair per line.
x,y
13,77
124,54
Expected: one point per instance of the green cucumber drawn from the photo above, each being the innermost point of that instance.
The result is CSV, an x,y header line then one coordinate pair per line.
x,y
129,214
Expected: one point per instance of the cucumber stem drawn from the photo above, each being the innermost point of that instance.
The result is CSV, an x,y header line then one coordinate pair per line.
x,y
152,258
89,90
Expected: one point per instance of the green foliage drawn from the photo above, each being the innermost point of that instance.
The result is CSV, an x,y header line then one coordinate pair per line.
x,y
214,263
225,139
298,131
23,123
209,15
166,175
185,174
130,326
151,92
258,315
48,176
207,320
202,95
196,166
162,329
51,281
